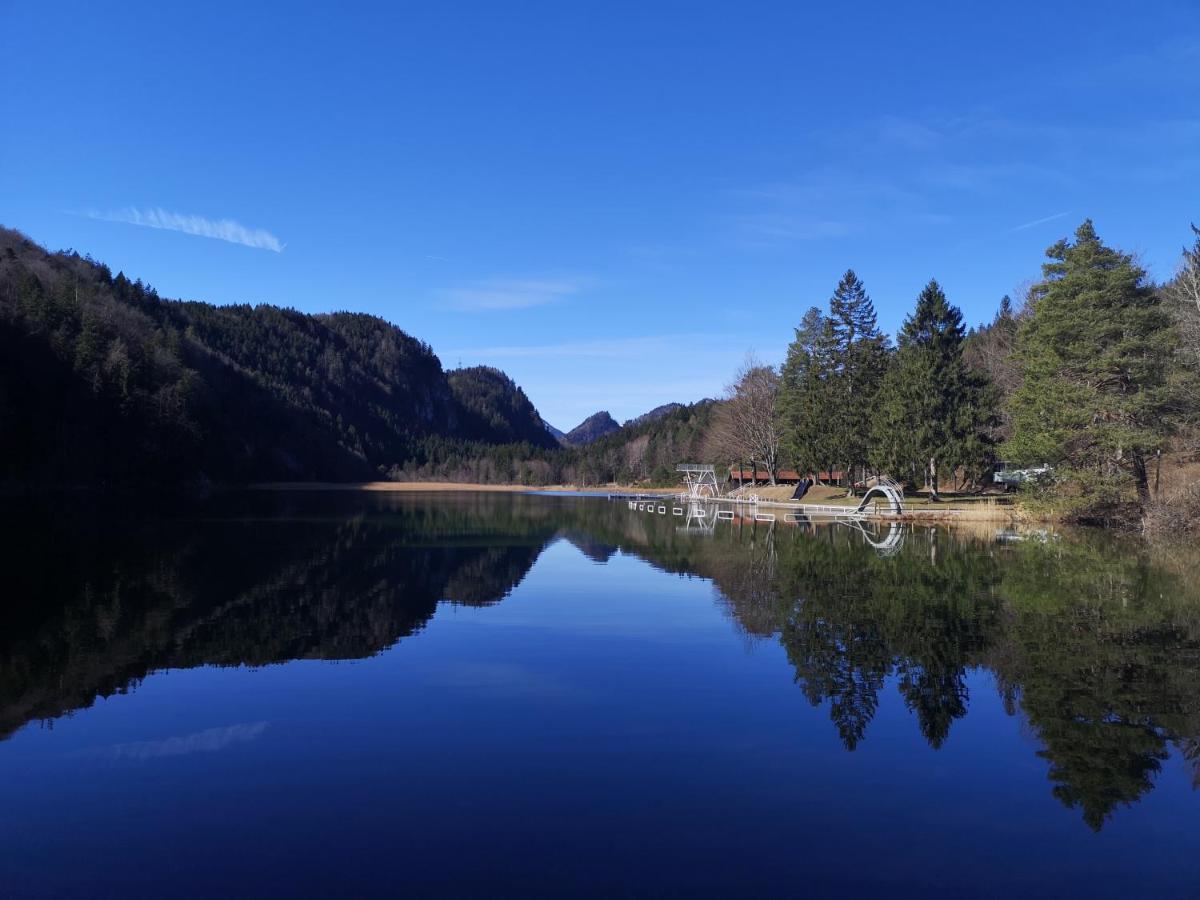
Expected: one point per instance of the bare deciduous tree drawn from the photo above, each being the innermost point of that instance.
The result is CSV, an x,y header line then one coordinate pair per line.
x,y
745,427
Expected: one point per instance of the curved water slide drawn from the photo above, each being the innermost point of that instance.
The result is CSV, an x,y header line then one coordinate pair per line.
x,y
890,491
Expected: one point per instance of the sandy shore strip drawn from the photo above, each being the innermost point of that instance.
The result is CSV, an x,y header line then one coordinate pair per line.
x,y
917,509
428,486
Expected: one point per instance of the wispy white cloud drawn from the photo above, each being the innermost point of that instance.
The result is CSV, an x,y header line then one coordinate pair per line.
x,y
220,229
1041,221
497,294
908,133
1173,62
616,348
827,203
929,218
1158,172
662,257
946,133
994,177
773,227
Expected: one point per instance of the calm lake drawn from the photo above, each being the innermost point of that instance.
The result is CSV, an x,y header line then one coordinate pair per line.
x,y
503,694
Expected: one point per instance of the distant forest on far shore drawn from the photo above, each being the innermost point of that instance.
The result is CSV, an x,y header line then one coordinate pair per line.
x,y
1093,372
104,382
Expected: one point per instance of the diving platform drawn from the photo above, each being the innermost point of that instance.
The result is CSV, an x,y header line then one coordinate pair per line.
x,y
699,481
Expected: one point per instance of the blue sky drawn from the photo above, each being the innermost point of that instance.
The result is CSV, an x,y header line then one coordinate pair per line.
x,y
611,202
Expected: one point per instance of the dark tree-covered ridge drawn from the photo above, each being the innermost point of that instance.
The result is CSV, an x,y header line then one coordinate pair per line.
x,y
591,429
103,381
497,408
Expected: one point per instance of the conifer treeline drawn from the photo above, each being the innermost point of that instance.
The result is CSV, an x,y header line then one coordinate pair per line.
x,y
850,402
1095,375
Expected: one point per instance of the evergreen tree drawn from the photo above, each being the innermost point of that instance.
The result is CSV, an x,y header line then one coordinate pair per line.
x,y
932,407
807,393
1096,392
860,361
852,311
830,381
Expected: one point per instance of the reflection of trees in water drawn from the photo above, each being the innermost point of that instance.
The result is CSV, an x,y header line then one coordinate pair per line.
x,y
858,618
848,616
747,568
1095,642
1102,651
96,604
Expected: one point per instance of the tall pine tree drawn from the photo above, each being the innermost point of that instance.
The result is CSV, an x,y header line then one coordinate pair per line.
x,y
1097,393
852,311
860,361
807,393
932,408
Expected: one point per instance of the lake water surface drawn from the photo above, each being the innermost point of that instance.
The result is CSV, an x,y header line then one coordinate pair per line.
x,y
499,694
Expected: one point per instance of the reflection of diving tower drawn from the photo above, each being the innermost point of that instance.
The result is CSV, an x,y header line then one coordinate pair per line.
x,y
700,481
699,520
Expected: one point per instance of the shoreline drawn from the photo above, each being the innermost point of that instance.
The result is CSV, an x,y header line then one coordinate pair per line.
x,y
939,514
444,486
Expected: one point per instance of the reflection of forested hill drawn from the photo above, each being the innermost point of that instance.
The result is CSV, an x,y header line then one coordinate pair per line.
x,y
1095,643
96,605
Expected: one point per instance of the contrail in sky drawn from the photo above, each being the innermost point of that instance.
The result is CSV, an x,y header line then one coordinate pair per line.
x,y
220,229
1037,222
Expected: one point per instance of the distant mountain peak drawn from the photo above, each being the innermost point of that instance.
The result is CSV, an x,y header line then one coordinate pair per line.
x,y
591,429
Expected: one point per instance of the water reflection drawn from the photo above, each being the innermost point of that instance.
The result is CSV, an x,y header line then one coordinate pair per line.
x,y
208,741
1093,641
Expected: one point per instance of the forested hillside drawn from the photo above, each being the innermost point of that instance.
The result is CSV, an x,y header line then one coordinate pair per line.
x,y
591,429
497,409
103,381
650,448
657,413
644,453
